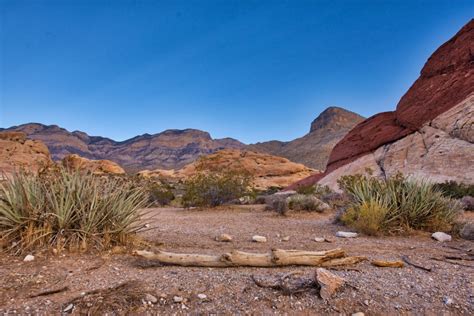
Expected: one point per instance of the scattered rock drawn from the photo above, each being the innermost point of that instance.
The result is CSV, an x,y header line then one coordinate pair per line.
x,y
319,239
358,314
447,300
224,238
346,234
286,238
177,299
29,258
286,193
468,203
329,282
258,238
366,302
467,232
150,298
68,308
202,296
440,236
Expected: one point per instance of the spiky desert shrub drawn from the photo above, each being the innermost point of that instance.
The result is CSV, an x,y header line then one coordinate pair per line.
x,y
301,202
215,188
396,205
279,205
67,210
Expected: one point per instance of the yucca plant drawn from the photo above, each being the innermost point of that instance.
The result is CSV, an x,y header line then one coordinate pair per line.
x,y
396,205
68,209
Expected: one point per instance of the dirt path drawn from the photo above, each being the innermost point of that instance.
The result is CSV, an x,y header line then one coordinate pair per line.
x,y
448,289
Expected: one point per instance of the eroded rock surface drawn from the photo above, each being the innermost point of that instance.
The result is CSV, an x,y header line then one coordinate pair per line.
x,y
76,162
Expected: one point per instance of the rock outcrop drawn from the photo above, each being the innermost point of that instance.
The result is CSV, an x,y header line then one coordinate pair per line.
x,y
429,136
170,149
267,170
76,162
19,153
314,148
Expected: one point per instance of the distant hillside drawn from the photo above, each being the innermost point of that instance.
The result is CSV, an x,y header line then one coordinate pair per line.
x,y
313,149
170,149
266,170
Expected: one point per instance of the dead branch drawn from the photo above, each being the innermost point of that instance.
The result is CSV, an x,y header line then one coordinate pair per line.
x,y
387,264
49,292
407,261
449,261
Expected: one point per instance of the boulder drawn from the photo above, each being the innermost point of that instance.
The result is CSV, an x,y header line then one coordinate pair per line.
x,y
467,232
76,162
467,203
429,136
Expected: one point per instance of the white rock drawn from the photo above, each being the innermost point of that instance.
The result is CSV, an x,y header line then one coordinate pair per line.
x,y
258,238
177,299
29,258
224,238
150,298
319,239
447,300
202,296
440,236
286,238
288,193
346,234
358,314
68,308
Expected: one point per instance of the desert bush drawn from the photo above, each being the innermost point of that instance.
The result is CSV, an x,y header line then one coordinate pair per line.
x,y
396,205
456,190
73,210
215,188
314,189
160,193
279,205
301,202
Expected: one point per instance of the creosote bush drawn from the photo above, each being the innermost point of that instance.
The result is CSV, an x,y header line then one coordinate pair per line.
x,y
210,189
61,209
456,190
301,202
396,205
160,193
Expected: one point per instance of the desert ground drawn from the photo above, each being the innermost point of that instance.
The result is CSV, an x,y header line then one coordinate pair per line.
x,y
121,283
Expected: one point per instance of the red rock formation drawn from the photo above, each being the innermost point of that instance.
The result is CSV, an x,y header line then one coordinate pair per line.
x,y
445,81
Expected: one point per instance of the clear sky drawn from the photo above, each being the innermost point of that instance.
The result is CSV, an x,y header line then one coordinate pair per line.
x,y
252,70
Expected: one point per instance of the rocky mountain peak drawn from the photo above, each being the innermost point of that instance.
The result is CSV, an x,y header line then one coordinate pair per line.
x,y
335,117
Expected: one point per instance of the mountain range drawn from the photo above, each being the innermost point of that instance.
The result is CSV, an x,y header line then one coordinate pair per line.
x,y
173,149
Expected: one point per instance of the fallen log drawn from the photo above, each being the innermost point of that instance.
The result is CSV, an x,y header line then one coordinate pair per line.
x,y
408,261
236,258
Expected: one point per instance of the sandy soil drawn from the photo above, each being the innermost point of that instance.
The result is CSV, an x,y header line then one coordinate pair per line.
x,y
447,289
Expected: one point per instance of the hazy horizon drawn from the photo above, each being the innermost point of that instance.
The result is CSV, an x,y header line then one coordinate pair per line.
x,y
249,70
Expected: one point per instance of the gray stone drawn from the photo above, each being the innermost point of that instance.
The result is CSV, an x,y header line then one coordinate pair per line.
x,y
178,299
258,238
202,296
440,236
467,232
150,298
29,258
346,234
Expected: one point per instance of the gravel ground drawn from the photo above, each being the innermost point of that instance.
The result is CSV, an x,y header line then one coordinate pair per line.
x,y
447,289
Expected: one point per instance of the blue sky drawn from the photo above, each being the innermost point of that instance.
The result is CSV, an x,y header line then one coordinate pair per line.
x,y
252,70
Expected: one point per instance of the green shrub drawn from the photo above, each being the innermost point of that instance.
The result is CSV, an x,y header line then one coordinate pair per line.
x,y
306,189
301,202
161,193
215,188
456,190
73,210
396,205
